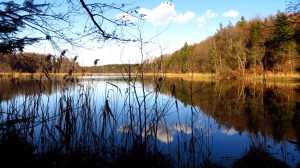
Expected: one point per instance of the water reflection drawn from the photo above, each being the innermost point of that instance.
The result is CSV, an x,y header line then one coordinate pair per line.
x,y
11,89
195,123
271,109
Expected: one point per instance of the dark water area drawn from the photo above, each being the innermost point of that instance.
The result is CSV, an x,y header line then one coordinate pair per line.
x,y
171,122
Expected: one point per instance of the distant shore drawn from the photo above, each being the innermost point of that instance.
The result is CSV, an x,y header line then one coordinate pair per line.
x,y
186,76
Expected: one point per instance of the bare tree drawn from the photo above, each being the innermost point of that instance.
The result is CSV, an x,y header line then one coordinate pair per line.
x,y
66,22
99,22
293,6
27,23
57,21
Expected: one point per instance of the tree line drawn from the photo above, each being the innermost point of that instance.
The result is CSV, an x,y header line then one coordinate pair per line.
x,y
35,63
39,63
256,46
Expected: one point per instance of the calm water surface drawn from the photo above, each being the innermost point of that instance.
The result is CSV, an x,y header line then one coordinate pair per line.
x,y
190,121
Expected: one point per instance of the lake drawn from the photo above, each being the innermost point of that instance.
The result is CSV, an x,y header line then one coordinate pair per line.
x,y
191,123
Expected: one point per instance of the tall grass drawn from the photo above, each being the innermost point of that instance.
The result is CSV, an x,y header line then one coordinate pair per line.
x,y
77,121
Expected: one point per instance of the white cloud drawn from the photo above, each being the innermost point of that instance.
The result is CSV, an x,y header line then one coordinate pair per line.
x,y
200,24
182,18
209,14
160,15
165,13
231,13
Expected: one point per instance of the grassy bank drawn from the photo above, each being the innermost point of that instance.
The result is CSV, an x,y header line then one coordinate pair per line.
x,y
210,77
271,77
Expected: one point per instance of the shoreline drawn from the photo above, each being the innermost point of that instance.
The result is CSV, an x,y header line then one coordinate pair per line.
x,y
186,76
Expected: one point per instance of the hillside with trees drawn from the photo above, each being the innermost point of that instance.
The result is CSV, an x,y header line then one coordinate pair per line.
x,y
250,47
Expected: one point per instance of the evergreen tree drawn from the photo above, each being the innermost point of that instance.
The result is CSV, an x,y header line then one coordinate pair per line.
x,y
279,48
242,22
185,53
283,37
254,43
13,19
283,31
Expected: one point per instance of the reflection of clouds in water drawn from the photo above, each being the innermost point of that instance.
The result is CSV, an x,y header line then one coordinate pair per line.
x,y
164,133
182,127
126,128
229,132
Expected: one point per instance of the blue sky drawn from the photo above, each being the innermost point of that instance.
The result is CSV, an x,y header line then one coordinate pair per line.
x,y
179,21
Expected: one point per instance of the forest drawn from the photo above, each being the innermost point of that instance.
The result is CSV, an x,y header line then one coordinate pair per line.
x,y
248,48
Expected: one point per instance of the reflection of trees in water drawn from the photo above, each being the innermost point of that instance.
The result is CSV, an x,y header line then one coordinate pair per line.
x,y
296,123
258,157
261,110
252,110
276,109
244,106
12,88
